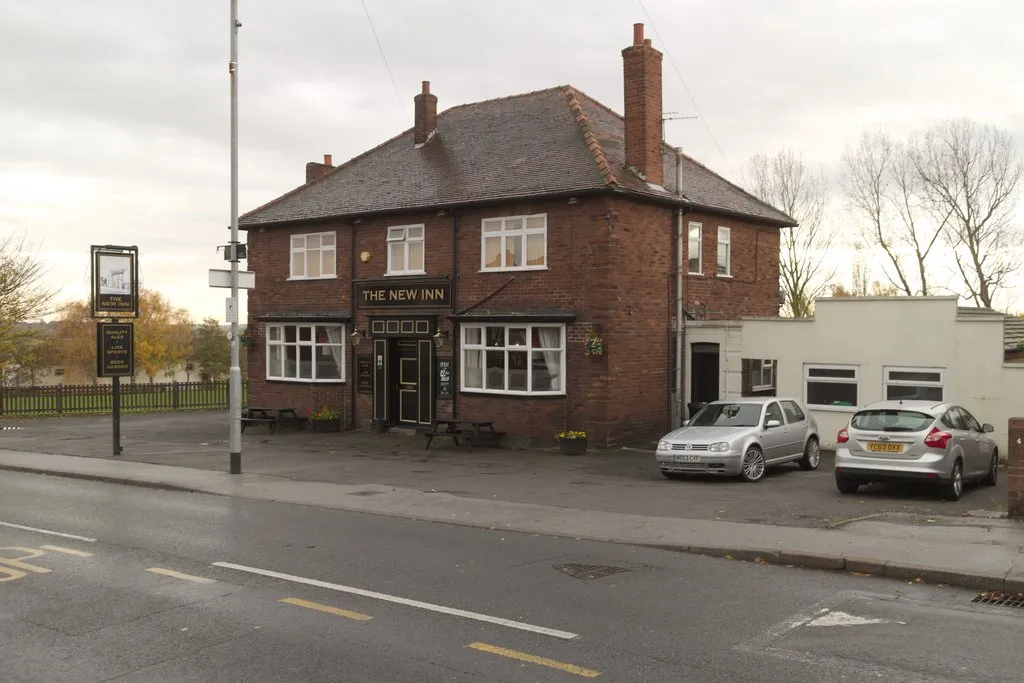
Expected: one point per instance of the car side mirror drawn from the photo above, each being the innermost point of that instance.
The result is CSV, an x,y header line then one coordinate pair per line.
x,y
987,428
771,424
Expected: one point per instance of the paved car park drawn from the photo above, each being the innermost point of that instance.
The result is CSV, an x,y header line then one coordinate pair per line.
x,y
619,480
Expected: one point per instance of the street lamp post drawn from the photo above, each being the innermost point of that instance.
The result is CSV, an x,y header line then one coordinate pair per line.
x,y
235,379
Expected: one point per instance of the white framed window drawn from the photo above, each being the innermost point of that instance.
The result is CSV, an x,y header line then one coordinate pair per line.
x,y
695,250
514,243
405,250
764,376
306,353
313,256
724,252
831,386
907,383
513,359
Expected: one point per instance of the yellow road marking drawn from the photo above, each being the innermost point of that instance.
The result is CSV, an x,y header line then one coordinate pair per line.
x,y
17,562
327,608
66,551
533,659
179,575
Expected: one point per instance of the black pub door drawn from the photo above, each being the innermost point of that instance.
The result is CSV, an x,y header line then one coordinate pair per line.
x,y
405,388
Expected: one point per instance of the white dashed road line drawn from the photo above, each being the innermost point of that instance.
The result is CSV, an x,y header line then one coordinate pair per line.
x,y
48,532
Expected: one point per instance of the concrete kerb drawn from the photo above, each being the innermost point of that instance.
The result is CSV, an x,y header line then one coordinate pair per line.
x,y
859,565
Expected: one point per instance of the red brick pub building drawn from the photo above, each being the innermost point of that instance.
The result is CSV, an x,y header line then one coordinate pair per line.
x,y
512,260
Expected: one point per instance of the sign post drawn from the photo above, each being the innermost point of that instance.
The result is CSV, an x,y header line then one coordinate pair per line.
x,y
115,296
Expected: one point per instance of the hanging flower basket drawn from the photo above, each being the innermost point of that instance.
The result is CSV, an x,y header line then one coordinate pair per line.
x,y
594,345
572,443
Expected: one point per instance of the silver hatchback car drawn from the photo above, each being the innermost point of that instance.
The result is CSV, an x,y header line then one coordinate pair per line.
x,y
927,441
742,437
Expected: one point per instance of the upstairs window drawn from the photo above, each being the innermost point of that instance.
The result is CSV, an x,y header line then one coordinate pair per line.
x,y
405,250
694,251
313,256
724,252
514,243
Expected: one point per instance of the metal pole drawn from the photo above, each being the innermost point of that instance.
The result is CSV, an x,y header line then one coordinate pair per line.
x,y
235,387
115,410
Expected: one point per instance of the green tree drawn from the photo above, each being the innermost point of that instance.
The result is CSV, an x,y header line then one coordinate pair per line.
x,y
212,350
23,298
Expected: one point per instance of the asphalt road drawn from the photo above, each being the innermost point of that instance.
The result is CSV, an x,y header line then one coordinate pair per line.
x,y
132,584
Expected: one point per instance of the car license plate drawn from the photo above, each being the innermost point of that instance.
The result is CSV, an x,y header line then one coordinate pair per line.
x,y
885,447
686,458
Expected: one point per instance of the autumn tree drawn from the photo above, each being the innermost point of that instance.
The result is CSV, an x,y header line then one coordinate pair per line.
x,y
212,350
883,190
24,297
785,182
162,336
970,178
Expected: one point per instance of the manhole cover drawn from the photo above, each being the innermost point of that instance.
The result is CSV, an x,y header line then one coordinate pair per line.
x,y
588,571
1001,599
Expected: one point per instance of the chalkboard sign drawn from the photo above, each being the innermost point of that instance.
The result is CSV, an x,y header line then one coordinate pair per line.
x,y
115,350
444,377
364,373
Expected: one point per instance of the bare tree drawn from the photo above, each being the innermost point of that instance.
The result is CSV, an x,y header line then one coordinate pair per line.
x,y
785,182
24,297
882,187
970,175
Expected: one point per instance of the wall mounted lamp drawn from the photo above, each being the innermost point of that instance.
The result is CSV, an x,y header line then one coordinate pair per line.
x,y
439,337
356,337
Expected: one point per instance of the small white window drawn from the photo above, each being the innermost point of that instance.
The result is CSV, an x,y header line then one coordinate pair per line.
x,y
926,384
514,243
695,254
313,256
831,386
724,252
405,250
765,375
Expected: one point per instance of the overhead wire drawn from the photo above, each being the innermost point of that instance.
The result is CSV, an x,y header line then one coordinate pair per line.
x,y
679,74
380,47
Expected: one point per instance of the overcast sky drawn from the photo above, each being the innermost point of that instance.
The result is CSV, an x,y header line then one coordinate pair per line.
x,y
115,113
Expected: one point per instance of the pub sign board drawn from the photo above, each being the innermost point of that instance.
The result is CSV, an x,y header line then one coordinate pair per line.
x,y
436,294
364,373
444,377
115,349
115,281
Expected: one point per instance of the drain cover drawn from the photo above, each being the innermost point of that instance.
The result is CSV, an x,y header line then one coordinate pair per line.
x,y
1001,599
588,571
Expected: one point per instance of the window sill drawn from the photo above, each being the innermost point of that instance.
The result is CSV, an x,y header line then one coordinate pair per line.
x,y
767,387
724,277
833,409
511,270
696,274
405,273
322,277
512,394
292,380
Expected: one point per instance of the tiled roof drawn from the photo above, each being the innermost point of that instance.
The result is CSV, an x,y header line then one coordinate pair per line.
x,y
546,142
1013,326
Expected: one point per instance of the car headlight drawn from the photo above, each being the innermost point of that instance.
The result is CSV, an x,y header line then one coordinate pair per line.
x,y
664,446
719,447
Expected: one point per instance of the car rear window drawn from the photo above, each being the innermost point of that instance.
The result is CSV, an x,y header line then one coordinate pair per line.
x,y
891,420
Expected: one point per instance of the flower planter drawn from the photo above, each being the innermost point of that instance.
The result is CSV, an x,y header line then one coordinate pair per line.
x,y
324,426
572,446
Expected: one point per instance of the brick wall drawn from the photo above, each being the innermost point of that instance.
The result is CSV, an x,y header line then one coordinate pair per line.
x,y
753,289
1015,468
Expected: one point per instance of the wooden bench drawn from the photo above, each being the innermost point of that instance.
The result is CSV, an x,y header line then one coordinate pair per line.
x,y
471,430
272,417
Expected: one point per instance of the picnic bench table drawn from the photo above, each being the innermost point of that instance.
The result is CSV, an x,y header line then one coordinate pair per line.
x,y
470,430
273,417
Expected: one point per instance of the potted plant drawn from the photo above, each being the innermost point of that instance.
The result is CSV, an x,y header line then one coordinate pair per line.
x,y
324,420
572,442
594,345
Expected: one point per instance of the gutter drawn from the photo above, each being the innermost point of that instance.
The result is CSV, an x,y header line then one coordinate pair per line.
x,y
677,415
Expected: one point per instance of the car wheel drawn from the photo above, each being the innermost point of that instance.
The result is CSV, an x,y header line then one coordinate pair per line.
x,y
671,475
812,455
993,471
847,485
954,488
753,465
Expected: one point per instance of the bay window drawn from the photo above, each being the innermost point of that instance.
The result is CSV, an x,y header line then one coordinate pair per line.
x,y
513,359
306,353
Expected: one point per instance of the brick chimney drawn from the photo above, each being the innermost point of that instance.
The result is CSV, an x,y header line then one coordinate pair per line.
x,y
315,170
426,114
641,71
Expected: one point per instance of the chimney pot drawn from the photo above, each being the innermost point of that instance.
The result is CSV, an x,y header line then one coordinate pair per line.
x,y
328,160
426,87
647,42
638,34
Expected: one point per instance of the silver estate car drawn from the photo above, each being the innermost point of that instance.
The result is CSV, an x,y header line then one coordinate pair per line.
x,y
926,441
742,437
